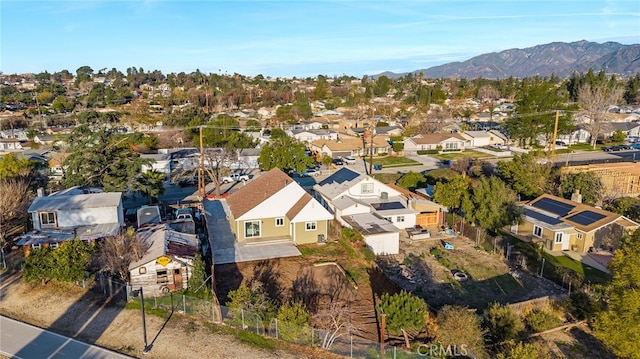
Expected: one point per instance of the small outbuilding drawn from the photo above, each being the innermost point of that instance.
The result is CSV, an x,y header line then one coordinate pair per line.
x,y
167,265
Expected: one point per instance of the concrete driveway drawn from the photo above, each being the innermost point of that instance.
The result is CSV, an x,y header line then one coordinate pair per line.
x,y
224,247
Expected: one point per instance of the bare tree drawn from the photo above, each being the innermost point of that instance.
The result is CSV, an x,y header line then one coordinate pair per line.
x,y
334,322
595,102
13,206
114,254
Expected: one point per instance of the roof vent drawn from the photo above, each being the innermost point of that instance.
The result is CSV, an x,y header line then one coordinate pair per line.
x,y
384,195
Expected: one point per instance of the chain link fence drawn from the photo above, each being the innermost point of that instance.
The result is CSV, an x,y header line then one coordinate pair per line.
x,y
340,341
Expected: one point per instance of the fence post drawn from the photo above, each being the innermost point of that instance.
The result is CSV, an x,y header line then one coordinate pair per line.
x,y
311,336
184,304
394,351
242,314
276,328
350,344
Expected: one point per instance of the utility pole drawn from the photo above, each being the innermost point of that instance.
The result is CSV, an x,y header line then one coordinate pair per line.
x,y
383,324
201,181
371,153
553,142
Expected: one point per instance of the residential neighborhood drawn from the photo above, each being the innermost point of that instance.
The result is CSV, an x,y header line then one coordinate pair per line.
x,y
334,206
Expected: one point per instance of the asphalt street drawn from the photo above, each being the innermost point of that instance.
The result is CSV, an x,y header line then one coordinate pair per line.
x,y
20,340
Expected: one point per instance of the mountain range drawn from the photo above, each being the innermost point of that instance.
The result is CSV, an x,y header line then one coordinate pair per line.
x,y
558,58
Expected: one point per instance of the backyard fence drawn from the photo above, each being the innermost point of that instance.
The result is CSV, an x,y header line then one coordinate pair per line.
x,y
345,342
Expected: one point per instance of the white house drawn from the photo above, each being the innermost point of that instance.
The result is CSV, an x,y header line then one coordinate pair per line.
x,y
73,213
379,235
309,136
435,141
361,202
89,214
483,138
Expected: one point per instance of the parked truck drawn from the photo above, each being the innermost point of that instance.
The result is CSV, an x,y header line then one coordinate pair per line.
x,y
234,177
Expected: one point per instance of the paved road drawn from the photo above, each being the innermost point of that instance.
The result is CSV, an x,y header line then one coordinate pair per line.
x,y
20,340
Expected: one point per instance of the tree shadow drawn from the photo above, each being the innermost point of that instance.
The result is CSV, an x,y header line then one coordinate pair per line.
x,y
267,273
85,320
587,346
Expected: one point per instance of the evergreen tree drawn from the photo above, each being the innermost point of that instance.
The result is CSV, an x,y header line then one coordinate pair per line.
x,y
405,314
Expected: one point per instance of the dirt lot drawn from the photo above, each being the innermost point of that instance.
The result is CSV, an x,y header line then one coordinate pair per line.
x,y
312,280
489,278
87,316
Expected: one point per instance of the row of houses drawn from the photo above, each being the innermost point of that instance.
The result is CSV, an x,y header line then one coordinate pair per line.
x,y
275,207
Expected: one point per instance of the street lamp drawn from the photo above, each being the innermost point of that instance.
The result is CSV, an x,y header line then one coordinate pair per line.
x,y
135,293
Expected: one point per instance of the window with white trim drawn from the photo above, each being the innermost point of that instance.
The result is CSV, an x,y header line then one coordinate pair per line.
x,y
48,219
252,229
559,237
54,245
400,219
279,221
36,246
366,188
311,226
579,235
537,231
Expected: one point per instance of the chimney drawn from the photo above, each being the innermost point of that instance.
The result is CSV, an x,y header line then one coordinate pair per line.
x,y
40,192
576,196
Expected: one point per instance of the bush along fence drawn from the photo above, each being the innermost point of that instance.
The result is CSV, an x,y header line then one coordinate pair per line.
x,y
338,339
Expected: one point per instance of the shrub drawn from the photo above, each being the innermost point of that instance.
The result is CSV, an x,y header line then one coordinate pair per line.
x,y
581,306
435,251
539,321
294,322
502,323
428,152
445,262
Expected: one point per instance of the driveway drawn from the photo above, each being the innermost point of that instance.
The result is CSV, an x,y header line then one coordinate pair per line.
x,y
224,247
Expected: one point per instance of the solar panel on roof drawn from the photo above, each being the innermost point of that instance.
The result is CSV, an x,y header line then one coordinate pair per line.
x,y
553,206
343,175
387,206
541,217
586,218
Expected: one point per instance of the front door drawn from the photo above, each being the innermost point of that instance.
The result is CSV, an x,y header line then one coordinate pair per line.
x,y
177,278
563,240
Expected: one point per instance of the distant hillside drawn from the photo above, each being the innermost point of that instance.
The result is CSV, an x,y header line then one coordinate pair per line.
x,y
559,58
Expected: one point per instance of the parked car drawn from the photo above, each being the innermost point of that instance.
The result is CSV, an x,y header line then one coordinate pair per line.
x,y
188,182
561,143
311,172
349,160
635,146
613,148
234,177
338,161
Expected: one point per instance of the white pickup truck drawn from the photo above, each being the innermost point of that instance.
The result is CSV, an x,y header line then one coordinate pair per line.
x,y
234,177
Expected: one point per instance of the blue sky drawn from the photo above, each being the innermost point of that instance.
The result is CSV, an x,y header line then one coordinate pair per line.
x,y
296,37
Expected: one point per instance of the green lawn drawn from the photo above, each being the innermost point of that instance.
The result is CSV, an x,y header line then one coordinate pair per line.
x,y
585,147
464,154
390,161
590,274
